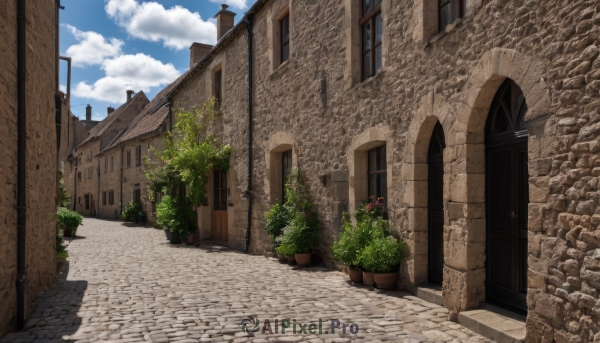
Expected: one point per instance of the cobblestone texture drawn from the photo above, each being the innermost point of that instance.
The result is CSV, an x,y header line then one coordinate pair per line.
x,y
126,284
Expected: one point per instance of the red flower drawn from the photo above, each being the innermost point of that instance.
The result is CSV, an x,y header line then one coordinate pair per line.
x,y
380,199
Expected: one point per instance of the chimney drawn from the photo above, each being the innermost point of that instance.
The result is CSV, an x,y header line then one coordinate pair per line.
x,y
197,52
110,110
88,116
129,95
224,21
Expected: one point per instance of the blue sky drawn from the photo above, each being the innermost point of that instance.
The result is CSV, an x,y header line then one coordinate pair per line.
x,y
131,44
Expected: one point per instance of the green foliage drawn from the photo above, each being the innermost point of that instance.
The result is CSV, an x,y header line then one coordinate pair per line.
x,y
188,156
173,215
64,199
69,218
382,254
277,218
301,234
131,211
61,250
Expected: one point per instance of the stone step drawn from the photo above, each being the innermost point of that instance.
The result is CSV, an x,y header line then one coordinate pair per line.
x,y
494,323
429,292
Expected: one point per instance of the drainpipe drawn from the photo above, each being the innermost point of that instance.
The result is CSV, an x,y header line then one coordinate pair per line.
x,y
75,185
68,59
98,198
121,191
249,23
21,164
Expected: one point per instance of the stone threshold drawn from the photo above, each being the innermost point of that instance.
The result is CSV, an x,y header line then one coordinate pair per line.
x,y
494,323
428,292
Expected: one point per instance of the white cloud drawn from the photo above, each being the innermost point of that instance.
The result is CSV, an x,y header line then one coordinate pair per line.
x,y
240,4
136,72
176,27
92,48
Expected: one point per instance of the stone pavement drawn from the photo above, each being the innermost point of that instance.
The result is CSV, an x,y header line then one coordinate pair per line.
x,y
127,284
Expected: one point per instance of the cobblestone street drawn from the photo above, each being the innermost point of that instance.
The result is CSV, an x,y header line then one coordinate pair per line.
x,y
126,284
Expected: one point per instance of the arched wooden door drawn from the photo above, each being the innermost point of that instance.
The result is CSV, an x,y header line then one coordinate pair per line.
x,y
435,206
507,196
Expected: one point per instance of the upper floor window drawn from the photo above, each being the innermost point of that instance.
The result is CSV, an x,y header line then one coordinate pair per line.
x,y
372,33
449,11
285,38
138,155
112,163
128,158
218,88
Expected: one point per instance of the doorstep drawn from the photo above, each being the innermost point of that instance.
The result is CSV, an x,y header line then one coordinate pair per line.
x,y
429,292
494,323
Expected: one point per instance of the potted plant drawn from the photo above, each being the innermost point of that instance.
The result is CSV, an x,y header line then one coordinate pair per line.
x,y
380,256
69,221
141,217
131,211
168,215
277,219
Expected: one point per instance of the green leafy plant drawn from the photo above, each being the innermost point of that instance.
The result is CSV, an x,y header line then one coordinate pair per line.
x,y
301,234
173,215
61,249
131,211
188,156
69,219
277,219
64,199
382,254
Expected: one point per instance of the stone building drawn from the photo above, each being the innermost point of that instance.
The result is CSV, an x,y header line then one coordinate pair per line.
x,y
83,173
477,120
31,113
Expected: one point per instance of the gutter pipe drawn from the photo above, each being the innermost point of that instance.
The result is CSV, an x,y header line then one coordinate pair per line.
x,y
249,192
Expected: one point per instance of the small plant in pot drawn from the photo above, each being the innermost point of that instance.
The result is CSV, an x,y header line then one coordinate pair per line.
x,y
69,221
351,242
168,215
277,219
299,239
380,256
131,211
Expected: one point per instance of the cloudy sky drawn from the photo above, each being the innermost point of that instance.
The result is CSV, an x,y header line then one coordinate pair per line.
x,y
117,45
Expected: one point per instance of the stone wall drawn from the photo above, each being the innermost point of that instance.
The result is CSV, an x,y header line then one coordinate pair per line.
x,y
548,48
41,155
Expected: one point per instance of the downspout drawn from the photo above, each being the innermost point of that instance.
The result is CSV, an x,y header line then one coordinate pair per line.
x,y
68,59
249,22
21,164
98,198
75,185
121,191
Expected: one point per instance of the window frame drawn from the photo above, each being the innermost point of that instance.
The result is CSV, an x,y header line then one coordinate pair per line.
x,y
374,173
104,197
285,172
128,158
111,197
370,17
219,88
284,23
138,155
462,6
137,194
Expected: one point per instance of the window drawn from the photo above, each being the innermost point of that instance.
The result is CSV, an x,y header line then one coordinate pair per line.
x,y
128,158
372,32
377,173
218,88
285,38
87,201
105,164
112,163
103,198
286,165
220,183
79,176
111,197
138,155
449,11
137,196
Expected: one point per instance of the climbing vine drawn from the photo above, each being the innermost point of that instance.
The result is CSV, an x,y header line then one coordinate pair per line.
x,y
188,156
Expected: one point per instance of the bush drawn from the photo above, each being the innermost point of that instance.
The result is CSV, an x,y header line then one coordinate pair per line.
x,y
69,219
298,237
277,218
173,215
382,254
61,250
131,211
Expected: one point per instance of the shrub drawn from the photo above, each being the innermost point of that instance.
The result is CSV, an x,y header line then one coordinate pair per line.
x,y
70,219
298,237
173,215
382,254
277,218
131,211
61,250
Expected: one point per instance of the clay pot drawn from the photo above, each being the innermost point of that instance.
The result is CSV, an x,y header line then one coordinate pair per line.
x,y
191,239
356,276
368,278
282,258
175,238
386,281
303,260
291,260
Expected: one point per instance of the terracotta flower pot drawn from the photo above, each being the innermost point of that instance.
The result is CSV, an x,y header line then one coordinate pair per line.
x,y
303,260
356,276
368,278
386,281
191,239
291,260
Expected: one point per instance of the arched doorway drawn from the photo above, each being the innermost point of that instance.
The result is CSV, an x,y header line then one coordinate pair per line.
x,y
507,196
435,206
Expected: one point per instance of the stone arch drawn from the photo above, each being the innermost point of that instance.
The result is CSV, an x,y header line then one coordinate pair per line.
x,y
357,163
279,143
433,108
466,223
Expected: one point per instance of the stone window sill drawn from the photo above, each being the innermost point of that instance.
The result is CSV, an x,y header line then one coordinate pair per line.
x,y
447,30
366,82
282,68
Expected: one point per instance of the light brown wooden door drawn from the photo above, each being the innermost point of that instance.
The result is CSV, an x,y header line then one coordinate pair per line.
x,y
219,213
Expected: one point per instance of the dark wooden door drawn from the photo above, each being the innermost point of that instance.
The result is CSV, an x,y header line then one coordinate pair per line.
x,y
507,197
435,207
219,213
